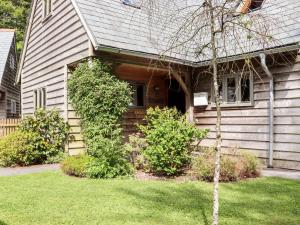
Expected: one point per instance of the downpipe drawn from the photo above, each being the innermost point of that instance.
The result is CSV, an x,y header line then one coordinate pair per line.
x,y
271,108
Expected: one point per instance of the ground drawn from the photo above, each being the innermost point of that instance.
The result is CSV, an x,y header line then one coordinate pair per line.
x,y
54,198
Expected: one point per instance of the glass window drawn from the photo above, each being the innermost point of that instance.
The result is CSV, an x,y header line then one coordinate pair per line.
x,y
236,89
231,89
39,98
47,7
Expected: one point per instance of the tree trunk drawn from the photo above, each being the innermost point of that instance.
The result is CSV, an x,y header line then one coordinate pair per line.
x,y
218,124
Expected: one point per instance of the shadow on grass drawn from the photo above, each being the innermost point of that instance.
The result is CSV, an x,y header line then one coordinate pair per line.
x,y
2,223
262,201
186,200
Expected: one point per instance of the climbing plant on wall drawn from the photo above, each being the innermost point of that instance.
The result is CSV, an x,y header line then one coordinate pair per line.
x,y
100,99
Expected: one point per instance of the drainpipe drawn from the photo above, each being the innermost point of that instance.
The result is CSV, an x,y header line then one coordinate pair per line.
x,y
271,108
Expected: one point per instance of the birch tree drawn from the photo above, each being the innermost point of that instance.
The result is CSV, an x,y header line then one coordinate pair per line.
x,y
213,32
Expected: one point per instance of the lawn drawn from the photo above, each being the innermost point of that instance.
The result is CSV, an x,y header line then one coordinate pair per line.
x,y
53,198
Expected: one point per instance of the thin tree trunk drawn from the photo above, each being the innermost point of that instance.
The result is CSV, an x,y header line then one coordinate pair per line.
x,y
218,124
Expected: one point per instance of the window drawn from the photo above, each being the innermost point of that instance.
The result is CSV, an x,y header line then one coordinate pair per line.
x,y
12,62
13,107
236,90
247,6
40,98
131,3
138,97
47,7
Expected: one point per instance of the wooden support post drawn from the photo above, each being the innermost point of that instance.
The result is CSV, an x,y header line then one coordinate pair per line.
x,y
189,98
187,88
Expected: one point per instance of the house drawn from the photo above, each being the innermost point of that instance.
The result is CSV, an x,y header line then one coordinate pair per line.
x,y
9,91
61,33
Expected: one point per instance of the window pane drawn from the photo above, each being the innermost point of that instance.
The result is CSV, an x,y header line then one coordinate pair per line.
x,y
231,87
245,89
221,91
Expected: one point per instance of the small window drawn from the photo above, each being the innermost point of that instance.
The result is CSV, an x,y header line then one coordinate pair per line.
x,y
39,98
131,3
13,107
138,97
12,62
47,7
247,6
235,90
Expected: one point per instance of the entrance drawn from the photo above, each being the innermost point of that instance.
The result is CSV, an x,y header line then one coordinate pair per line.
x,y
176,96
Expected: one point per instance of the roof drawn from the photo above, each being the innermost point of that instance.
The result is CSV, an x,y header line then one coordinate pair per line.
x,y
6,40
118,27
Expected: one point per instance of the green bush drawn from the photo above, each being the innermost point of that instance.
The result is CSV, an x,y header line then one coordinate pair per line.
x,y
100,99
18,149
234,166
76,165
50,131
169,140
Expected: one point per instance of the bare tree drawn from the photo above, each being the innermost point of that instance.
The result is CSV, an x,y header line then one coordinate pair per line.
x,y
212,32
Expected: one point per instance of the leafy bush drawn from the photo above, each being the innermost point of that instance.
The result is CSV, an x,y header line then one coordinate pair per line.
x,y
100,99
169,140
233,167
76,165
50,131
18,149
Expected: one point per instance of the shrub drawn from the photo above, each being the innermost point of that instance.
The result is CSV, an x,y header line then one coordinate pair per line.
x,y
18,149
100,99
76,165
233,167
169,140
50,131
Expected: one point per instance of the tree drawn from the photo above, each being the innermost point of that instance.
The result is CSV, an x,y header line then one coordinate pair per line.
x,y
212,31
13,15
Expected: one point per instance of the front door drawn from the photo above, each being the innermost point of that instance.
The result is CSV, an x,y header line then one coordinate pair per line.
x,y
176,96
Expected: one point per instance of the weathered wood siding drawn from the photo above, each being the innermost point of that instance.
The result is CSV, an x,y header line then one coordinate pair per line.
x,y
52,44
247,127
12,90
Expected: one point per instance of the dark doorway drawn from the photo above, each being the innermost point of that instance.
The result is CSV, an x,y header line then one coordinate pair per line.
x,y
176,96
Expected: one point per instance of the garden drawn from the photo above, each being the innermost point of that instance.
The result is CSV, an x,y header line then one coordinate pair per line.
x,y
103,185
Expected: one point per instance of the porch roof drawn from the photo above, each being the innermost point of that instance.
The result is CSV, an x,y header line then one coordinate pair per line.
x,y
113,26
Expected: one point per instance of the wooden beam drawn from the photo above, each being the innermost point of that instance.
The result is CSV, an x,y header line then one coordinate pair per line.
x,y
181,82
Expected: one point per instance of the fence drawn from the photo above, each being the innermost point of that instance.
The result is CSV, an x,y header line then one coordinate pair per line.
x,y
8,126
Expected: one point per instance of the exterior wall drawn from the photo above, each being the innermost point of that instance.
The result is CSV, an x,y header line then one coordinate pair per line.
x,y
12,90
53,43
247,127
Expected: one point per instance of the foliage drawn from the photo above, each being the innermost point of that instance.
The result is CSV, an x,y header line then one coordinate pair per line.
x,y
51,133
100,99
13,15
233,167
136,144
169,138
76,165
18,149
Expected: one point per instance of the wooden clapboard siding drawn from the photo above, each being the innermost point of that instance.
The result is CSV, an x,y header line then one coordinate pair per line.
x,y
52,44
247,127
12,90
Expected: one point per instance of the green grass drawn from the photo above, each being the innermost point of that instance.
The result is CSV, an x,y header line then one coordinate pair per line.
x,y
53,198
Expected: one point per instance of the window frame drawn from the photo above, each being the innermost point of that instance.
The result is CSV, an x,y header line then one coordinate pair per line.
x,y
13,106
238,102
47,9
40,98
133,104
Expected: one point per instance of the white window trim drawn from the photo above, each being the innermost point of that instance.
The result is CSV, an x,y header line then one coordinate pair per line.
x,y
237,103
47,9
40,98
